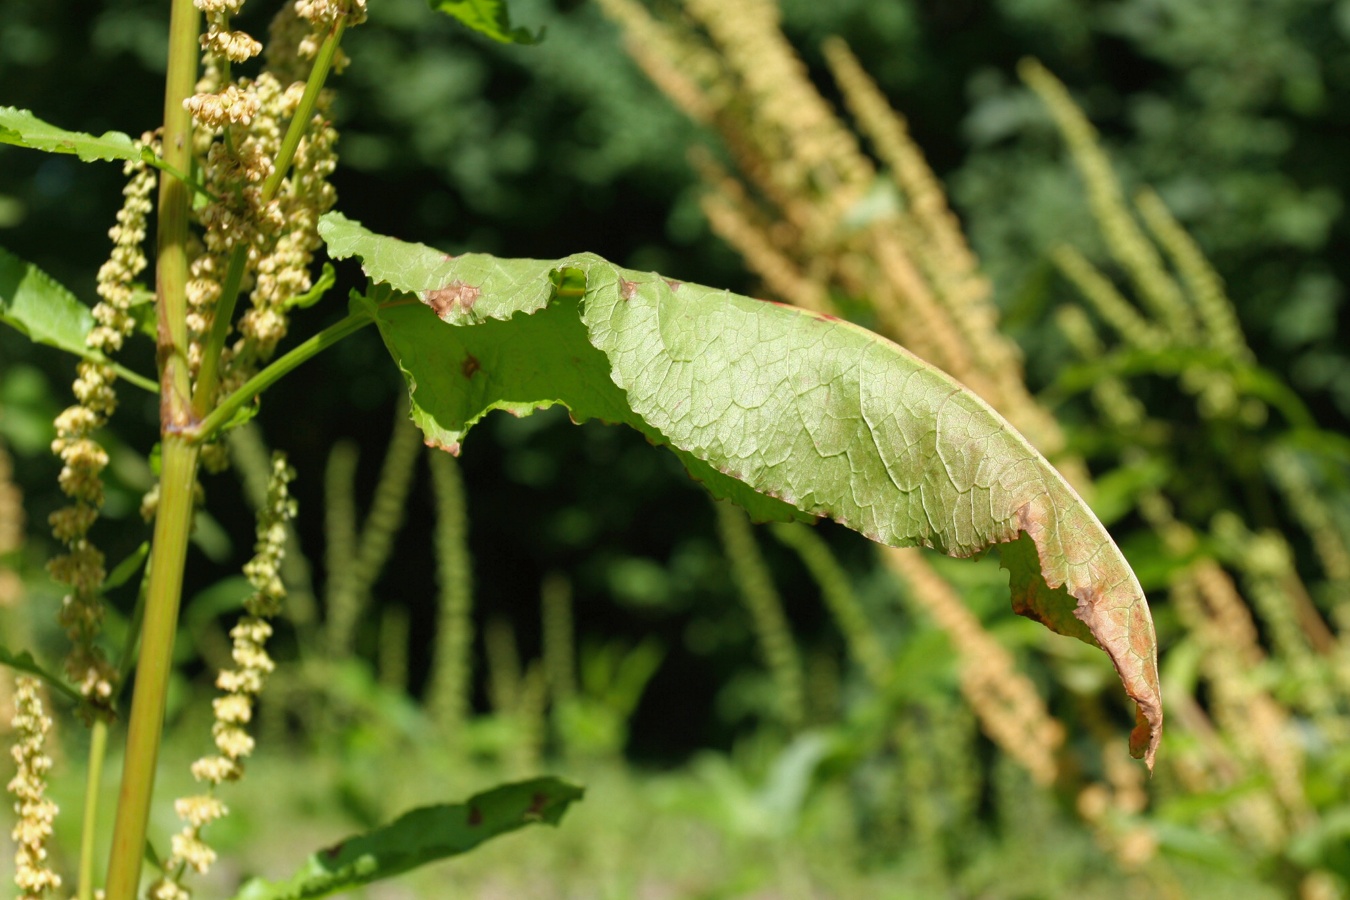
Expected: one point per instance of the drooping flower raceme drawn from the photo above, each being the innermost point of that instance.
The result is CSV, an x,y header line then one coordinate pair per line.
x,y
34,813
81,567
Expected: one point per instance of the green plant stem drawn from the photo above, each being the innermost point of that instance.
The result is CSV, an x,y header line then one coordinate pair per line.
x,y
209,374
772,631
130,377
350,594
128,659
173,523
178,474
98,749
323,62
448,692
250,389
860,637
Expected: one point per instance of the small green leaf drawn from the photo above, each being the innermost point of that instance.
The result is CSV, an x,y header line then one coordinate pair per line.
x,y
304,301
23,662
152,857
21,128
773,407
489,17
419,837
35,304
127,567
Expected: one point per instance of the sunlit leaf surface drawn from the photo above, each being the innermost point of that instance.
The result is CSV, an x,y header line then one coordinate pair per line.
x,y
22,128
781,410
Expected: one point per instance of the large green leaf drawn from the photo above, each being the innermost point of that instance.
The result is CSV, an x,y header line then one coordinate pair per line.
x,y
774,407
22,128
37,305
419,837
489,17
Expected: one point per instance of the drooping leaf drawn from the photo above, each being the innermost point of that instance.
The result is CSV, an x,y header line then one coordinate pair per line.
x,y
774,407
489,17
22,128
419,837
23,662
35,304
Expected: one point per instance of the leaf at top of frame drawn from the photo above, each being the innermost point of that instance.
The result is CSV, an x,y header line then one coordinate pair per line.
x,y
21,128
488,17
774,407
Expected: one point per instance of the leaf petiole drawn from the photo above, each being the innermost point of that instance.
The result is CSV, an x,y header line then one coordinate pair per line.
x,y
226,410
155,162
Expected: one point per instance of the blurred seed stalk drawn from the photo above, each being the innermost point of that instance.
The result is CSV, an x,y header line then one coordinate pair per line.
x,y
1253,590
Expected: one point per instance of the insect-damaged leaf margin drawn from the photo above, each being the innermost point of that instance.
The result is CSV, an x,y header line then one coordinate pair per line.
x,y
779,409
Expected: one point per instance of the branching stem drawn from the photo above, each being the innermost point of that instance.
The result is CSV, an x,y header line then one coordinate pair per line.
x,y
228,407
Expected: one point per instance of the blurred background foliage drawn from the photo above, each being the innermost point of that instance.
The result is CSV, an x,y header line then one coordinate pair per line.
x,y
758,713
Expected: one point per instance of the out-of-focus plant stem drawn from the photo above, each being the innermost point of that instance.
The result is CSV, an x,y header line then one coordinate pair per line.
x,y
98,748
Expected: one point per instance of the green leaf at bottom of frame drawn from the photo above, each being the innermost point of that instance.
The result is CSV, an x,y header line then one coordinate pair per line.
x,y
419,837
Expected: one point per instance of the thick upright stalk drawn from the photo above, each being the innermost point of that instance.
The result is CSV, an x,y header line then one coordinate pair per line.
x,y
146,723
178,473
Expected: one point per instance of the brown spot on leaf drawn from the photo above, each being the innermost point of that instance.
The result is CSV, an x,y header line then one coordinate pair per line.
x,y
674,285
475,817
627,289
470,365
455,297
537,804
333,851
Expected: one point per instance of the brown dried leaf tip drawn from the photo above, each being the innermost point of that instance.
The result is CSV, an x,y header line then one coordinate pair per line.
x,y
454,299
452,448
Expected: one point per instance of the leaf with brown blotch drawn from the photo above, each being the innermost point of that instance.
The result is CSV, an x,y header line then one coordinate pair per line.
x,y
786,412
